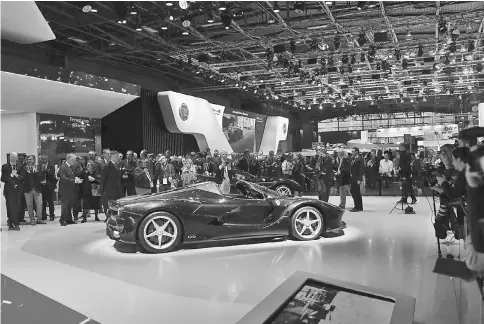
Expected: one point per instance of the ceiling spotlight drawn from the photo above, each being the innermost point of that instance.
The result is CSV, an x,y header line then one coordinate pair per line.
x,y
171,17
138,28
409,35
93,10
353,58
87,8
183,4
361,39
169,4
210,19
185,33
420,51
361,5
455,34
186,23
276,7
222,7
424,99
226,20
299,7
471,46
292,47
336,42
164,27
271,21
320,107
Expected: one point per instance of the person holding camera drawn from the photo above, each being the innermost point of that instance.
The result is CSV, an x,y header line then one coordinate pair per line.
x,y
406,175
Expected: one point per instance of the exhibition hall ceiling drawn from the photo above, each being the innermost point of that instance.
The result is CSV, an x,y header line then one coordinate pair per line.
x,y
324,58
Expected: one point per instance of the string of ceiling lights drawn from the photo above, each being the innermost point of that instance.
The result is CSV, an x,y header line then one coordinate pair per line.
x,y
368,69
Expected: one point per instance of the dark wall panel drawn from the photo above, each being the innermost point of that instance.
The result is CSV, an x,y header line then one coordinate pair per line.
x,y
156,138
120,130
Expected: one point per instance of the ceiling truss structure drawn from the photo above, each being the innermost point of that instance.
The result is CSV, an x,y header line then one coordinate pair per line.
x,y
324,56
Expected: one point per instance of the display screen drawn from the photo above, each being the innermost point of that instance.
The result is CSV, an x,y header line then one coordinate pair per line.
x,y
60,135
243,130
317,303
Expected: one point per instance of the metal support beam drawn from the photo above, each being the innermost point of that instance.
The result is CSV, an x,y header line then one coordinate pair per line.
x,y
387,21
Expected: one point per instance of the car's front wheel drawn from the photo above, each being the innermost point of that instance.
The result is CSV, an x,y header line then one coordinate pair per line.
x,y
160,232
307,223
284,190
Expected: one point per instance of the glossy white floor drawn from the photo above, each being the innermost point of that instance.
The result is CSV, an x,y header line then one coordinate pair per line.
x,y
79,267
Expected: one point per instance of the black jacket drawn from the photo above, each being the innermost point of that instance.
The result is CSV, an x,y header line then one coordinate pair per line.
x,y
457,189
31,180
357,169
11,183
111,182
244,164
405,161
219,174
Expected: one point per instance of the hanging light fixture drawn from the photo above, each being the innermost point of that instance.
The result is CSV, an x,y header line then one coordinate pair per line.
x,y
169,4
276,7
183,4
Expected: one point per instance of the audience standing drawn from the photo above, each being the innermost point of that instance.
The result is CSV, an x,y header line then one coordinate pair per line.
x,y
32,177
12,190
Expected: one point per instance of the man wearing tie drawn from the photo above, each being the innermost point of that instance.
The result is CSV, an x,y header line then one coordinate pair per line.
x,y
12,177
111,182
67,192
48,184
32,177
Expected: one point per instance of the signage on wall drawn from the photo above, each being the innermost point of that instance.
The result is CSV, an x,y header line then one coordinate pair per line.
x,y
183,112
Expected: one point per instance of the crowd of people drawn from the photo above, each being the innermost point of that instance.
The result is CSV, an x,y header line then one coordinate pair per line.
x,y
86,184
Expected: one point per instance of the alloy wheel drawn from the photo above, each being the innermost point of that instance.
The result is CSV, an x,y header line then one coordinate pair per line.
x,y
283,191
308,223
160,232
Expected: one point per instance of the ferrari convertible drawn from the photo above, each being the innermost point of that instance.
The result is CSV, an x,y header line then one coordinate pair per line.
x,y
283,186
164,221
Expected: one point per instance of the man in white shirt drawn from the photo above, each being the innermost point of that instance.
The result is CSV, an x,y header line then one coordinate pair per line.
x,y
386,169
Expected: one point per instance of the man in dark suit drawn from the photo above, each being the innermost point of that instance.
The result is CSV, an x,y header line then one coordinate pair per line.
x,y
67,192
111,182
326,176
224,173
357,169
127,177
243,163
47,184
32,177
406,175
12,190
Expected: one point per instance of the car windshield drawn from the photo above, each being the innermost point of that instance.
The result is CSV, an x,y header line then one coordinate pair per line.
x,y
206,186
266,191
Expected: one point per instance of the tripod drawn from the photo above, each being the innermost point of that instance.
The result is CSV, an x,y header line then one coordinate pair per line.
x,y
400,202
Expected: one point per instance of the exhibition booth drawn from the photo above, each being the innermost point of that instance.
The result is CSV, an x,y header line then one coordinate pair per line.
x,y
59,118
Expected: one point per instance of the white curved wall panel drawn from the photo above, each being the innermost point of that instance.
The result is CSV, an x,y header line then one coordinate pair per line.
x,y
191,115
274,132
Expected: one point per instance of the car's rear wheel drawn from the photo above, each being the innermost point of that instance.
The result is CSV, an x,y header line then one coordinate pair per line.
x,y
307,223
160,232
284,190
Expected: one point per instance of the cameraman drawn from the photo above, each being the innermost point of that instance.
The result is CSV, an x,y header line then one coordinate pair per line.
x,y
475,200
406,175
444,170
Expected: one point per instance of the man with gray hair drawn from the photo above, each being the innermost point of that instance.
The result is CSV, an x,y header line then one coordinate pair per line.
x,y
67,184
12,190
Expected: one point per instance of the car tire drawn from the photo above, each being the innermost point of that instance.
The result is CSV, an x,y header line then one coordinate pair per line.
x,y
171,233
304,228
284,190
